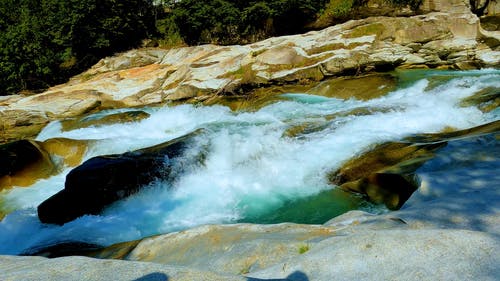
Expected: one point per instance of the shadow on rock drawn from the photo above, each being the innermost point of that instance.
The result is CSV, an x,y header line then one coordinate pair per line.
x,y
295,276
156,276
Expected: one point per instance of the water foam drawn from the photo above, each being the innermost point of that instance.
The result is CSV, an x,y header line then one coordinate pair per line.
x,y
250,167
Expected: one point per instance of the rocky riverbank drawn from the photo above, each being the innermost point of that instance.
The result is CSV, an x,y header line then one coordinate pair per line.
x,y
449,40
447,230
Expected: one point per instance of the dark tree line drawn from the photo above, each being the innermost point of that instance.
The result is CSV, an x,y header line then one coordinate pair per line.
x,y
237,21
43,42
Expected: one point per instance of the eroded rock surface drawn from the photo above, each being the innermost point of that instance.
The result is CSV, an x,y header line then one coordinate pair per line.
x,y
452,39
386,173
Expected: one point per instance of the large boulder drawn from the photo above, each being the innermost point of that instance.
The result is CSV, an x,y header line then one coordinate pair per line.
x,y
445,39
102,180
386,173
21,124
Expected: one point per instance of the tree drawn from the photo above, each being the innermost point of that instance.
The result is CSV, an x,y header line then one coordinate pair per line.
x,y
227,21
45,42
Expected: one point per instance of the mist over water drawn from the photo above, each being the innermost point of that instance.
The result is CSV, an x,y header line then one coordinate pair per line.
x,y
252,170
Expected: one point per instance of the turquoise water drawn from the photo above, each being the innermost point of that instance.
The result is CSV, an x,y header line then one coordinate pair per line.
x,y
253,172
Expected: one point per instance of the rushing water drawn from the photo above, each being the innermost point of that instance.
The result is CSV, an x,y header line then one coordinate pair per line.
x,y
253,172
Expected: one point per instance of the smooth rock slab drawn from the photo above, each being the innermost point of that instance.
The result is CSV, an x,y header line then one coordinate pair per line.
x,y
397,255
13,268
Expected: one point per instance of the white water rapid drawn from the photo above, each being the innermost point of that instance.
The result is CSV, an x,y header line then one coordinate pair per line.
x,y
251,170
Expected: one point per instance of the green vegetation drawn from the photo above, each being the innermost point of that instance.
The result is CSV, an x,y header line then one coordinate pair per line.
x,y
303,249
44,42
236,21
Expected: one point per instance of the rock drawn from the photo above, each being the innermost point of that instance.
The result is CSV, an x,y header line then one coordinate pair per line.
x,y
455,6
303,129
68,151
102,180
493,8
20,124
431,254
487,99
58,104
231,249
386,173
255,99
85,121
15,268
62,249
491,23
450,38
363,87
22,163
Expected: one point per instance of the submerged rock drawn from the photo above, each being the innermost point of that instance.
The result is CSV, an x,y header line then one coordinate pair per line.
x,y
487,99
22,163
64,151
364,87
116,118
385,173
102,180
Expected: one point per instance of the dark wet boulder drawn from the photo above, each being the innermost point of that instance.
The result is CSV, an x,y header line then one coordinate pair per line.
x,y
385,174
102,180
22,163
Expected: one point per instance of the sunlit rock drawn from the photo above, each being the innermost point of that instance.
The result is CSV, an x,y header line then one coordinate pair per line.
x,y
234,249
363,88
116,118
21,124
446,39
487,99
102,180
66,152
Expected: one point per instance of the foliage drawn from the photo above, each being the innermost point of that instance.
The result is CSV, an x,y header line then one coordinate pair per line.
x,y
44,42
414,4
303,249
237,21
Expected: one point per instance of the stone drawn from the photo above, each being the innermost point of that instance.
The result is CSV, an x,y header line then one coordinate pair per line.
x,y
22,163
364,87
15,268
385,174
444,38
102,180
231,249
68,151
21,124
487,99
430,254
85,121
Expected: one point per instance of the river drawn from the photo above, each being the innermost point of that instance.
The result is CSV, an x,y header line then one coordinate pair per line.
x,y
253,171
